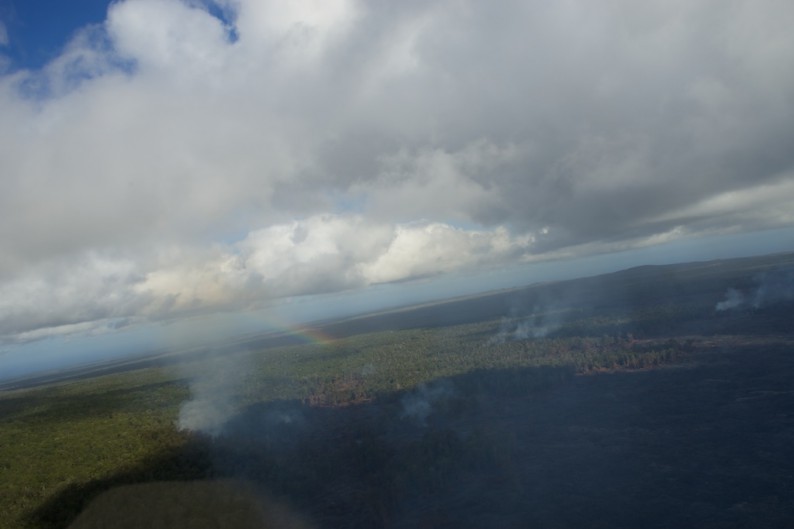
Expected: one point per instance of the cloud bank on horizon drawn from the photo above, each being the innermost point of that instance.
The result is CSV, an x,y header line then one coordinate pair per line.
x,y
185,157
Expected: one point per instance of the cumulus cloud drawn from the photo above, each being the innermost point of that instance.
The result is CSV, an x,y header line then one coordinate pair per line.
x,y
320,254
66,294
170,160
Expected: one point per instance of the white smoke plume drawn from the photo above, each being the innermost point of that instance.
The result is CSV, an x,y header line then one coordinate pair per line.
x,y
215,384
215,372
775,287
772,288
420,404
733,300
538,324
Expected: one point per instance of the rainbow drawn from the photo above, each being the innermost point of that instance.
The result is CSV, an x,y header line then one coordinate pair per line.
x,y
310,335
305,333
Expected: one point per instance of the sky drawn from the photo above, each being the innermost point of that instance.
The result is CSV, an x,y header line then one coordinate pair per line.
x,y
166,160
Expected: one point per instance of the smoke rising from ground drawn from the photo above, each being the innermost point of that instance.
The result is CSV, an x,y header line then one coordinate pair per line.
x,y
772,288
537,325
733,299
521,324
214,392
215,375
421,403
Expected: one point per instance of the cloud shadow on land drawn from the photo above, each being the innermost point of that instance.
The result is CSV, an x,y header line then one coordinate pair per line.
x,y
702,446
54,407
192,461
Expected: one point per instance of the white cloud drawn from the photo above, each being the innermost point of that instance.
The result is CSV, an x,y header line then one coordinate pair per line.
x,y
320,254
301,147
764,205
69,294
435,183
301,32
169,38
437,248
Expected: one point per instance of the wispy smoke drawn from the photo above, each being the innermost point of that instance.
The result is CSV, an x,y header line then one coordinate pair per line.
x,y
772,288
539,324
215,373
215,391
776,287
733,300
420,404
